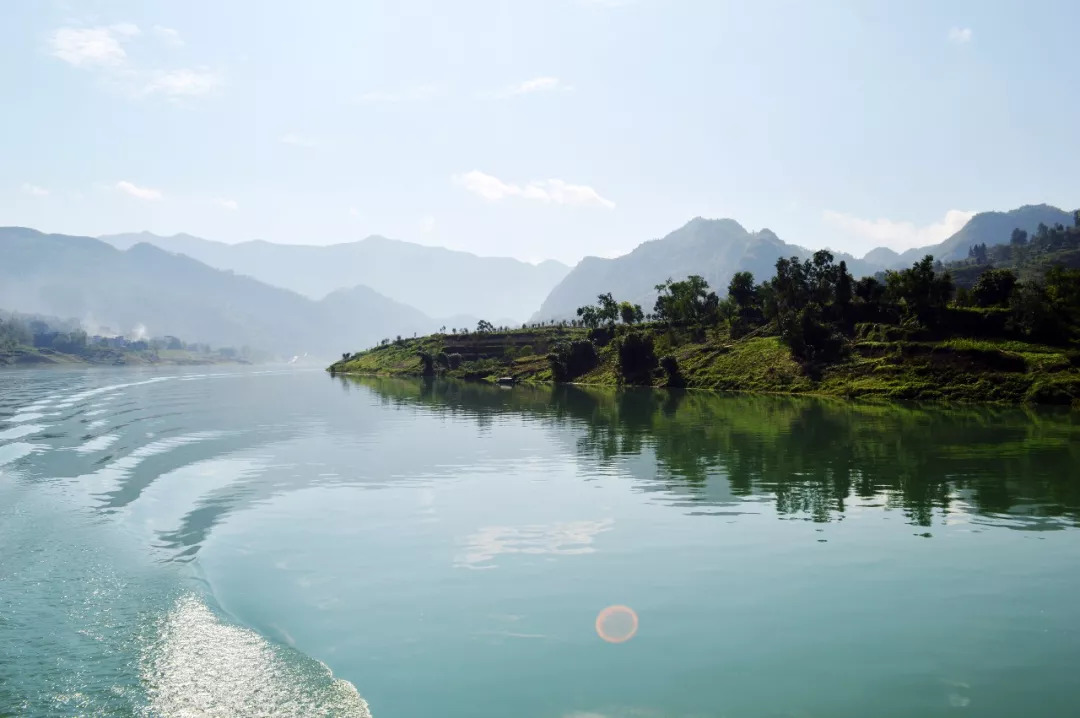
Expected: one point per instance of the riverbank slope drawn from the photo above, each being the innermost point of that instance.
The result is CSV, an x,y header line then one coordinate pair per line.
x,y
959,369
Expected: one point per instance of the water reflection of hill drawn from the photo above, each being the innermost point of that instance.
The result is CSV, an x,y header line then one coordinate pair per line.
x,y
812,457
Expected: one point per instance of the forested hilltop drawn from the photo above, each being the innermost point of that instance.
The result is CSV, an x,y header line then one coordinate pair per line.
x,y
1001,325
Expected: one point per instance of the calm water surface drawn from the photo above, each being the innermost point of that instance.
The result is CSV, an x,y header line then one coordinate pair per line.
x,y
284,543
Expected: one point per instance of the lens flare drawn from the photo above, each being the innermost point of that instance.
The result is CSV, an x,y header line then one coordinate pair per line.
x,y
616,624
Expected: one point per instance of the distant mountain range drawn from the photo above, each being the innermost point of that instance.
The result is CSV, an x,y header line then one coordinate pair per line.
x,y
98,284
437,281
717,248
359,293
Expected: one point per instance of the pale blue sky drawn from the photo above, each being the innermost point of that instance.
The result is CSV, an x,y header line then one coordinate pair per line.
x,y
534,129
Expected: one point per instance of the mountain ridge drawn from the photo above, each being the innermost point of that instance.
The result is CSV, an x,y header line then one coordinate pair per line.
x,y
73,276
717,248
437,280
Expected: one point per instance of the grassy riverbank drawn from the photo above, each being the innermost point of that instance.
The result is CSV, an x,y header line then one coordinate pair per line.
x,y
990,370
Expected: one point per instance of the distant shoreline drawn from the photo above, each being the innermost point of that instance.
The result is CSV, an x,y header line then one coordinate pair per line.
x,y
33,358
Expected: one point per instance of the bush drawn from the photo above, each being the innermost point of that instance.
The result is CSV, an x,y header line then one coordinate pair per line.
x,y
569,360
993,288
637,358
601,336
453,360
670,365
428,361
810,338
526,351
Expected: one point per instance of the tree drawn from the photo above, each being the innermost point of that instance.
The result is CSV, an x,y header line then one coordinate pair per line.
x,y
1019,237
742,292
869,290
590,316
919,289
1076,219
608,311
993,288
978,253
630,313
484,326
687,302
843,285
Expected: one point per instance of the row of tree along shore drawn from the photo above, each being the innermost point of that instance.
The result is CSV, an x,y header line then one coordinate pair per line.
x,y
984,329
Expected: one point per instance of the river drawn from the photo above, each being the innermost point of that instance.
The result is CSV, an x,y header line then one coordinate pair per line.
x,y
272,542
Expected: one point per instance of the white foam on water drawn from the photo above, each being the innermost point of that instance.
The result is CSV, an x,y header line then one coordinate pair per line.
x,y
24,416
73,398
15,451
98,443
18,432
198,665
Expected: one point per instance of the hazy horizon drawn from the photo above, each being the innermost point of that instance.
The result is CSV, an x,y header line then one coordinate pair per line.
x,y
864,125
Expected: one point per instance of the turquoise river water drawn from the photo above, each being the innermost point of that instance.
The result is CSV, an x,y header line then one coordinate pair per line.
x,y
281,543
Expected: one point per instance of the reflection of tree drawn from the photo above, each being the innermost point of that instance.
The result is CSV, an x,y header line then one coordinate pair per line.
x,y
812,456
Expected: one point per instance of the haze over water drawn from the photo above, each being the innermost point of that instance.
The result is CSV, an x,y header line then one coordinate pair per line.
x,y
267,542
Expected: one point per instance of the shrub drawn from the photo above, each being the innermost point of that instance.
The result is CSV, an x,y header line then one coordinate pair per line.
x,y
637,358
454,360
670,365
993,288
569,360
601,336
428,361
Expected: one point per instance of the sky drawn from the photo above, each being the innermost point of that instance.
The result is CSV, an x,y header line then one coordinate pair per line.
x,y
537,130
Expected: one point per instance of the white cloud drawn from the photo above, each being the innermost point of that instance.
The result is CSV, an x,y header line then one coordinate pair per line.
x,y
230,204
427,225
537,84
168,36
354,212
90,46
138,192
553,191
183,83
412,94
960,35
35,190
291,138
899,235
101,49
